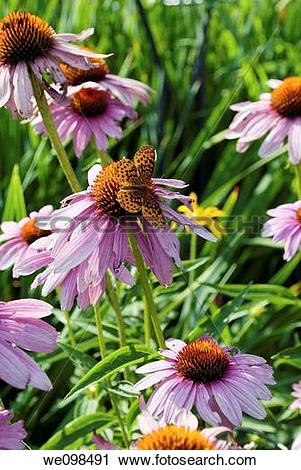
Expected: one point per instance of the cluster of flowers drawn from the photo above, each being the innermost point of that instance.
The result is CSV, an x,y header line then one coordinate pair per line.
x,y
78,244
84,100
279,114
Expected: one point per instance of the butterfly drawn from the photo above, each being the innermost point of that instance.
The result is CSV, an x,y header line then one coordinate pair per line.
x,y
135,193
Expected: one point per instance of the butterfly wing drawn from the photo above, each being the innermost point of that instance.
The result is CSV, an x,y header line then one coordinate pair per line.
x,y
130,195
130,199
152,212
144,159
126,173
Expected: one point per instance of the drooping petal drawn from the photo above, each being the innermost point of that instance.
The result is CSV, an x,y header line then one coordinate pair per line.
x,y
19,370
4,84
294,141
22,90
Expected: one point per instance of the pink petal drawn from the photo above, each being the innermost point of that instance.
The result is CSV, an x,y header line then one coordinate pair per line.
x,y
152,379
28,308
75,37
203,406
294,141
22,90
275,138
154,367
4,84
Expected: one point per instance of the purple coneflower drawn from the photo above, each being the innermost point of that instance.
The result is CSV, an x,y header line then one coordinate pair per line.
x,y
29,44
89,111
11,434
181,433
296,405
21,328
285,227
73,283
96,239
125,89
18,242
278,113
221,384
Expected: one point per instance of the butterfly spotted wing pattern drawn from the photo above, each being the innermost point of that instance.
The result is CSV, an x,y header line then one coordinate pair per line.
x,y
136,194
152,212
144,161
127,174
130,200
130,195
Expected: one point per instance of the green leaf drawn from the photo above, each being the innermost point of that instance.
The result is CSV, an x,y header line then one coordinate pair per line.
x,y
77,429
78,357
282,275
217,195
110,365
291,356
274,294
15,208
221,317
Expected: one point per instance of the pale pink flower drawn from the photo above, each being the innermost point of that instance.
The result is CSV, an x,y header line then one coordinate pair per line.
x,y
124,89
28,43
11,434
21,328
219,382
181,433
285,227
19,241
296,405
277,113
89,111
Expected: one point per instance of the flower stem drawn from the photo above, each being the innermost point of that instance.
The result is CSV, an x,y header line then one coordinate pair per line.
x,y
53,135
115,304
70,329
114,301
150,304
104,158
147,326
193,250
298,176
103,353
100,335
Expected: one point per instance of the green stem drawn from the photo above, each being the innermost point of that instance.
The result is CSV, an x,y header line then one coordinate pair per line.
x,y
193,250
103,353
298,176
114,301
150,304
104,158
147,326
70,329
116,307
53,135
100,335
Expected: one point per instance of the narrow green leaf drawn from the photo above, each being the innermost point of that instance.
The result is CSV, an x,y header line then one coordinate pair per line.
x,y
110,365
290,356
79,358
220,318
15,208
76,429
274,294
